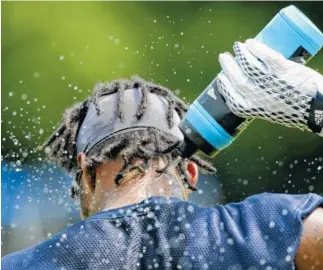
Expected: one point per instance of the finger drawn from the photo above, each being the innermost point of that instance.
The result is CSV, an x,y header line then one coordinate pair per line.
x,y
262,51
249,63
233,98
232,70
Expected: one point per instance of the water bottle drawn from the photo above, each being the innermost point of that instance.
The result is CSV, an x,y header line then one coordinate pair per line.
x,y
209,125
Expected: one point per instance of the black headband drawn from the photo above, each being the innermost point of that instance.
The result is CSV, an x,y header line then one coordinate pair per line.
x,y
97,128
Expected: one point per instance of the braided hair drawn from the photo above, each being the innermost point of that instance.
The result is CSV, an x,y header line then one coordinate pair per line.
x,y
147,144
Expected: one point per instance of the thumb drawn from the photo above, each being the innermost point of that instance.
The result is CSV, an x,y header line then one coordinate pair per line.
x,y
263,52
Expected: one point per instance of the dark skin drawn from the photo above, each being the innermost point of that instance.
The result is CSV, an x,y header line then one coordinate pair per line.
x,y
310,251
135,186
138,186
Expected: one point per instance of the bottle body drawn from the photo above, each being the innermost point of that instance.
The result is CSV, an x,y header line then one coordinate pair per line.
x,y
209,124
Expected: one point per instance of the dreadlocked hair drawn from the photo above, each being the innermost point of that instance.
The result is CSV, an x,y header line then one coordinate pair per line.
x,y
147,144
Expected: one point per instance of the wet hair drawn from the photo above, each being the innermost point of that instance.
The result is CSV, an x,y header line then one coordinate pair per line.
x,y
147,144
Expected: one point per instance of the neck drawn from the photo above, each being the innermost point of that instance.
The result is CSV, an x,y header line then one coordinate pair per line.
x,y
137,189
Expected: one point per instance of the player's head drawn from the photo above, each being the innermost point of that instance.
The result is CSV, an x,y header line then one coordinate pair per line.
x,y
126,133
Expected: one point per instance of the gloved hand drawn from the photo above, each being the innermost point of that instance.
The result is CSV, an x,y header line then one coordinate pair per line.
x,y
261,83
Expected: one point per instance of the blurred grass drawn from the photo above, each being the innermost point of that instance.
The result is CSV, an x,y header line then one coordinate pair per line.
x,y
54,52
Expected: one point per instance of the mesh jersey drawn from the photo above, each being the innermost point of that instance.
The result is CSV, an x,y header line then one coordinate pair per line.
x,y
262,232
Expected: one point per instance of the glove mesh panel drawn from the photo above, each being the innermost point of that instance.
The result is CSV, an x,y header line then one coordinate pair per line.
x,y
272,98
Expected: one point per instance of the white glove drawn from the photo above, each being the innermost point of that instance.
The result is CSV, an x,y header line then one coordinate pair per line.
x,y
261,83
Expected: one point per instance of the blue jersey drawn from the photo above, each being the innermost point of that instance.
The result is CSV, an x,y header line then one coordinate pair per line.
x,y
262,232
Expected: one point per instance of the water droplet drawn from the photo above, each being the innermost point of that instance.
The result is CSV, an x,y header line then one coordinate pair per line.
x,y
262,261
230,241
190,209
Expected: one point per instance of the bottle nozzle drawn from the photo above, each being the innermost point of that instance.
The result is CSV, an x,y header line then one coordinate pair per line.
x,y
187,149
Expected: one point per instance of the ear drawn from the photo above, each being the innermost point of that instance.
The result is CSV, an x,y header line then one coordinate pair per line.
x,y
85,174
81,160
192,172
87,191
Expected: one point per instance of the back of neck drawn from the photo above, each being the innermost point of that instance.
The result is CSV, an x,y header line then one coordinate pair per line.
x,y
138,189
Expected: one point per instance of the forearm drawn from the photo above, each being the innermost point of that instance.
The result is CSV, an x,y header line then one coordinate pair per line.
x,y
310,252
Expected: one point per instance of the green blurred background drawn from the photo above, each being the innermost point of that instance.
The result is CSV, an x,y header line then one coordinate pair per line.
x,y
54,52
